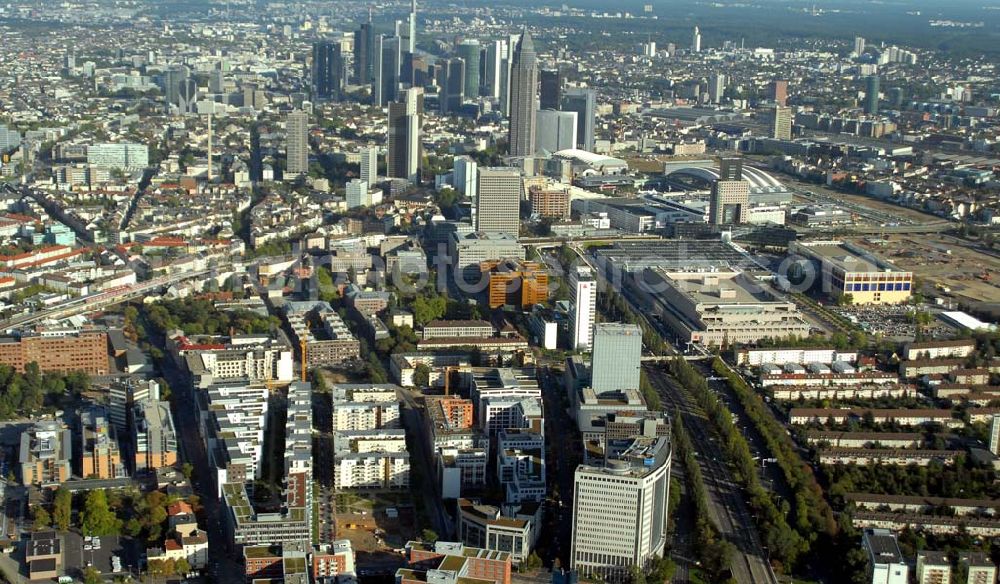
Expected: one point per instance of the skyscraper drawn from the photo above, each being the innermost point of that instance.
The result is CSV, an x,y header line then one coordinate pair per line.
x,y
729,202
498,200
469,52
779,92
781,123
859,46
584,103
616,357
995,434
364,56
556,130
871,95
620,508
403,148
357,194
583,287
411,29
452,85
495,53
466,176
523,100
369,165
716,87
696,41
297,143
551,95
507,63
327,70
385,86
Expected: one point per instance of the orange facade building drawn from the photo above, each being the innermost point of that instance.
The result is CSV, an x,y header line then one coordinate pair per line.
x,y
516,282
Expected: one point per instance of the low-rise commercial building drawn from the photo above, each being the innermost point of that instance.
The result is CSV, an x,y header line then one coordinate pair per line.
x,y
842,268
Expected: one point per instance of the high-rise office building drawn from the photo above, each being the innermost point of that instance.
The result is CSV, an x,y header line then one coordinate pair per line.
x,y
403,148
364,52
871,95
779,92
385,86
583,287
620,508
466,175
470,51
584,103
451,85
411,29
359,194
297,143
327,70
616,357
716,87
369,165
492,74
556,130
506,66
523,99
498,201
729,201
696,41
781,123
551,94
859,46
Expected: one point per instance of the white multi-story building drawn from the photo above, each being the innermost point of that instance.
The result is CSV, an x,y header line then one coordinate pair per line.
x,y
125,155
369,165
359,194
886,564
584,289
371,460
620,510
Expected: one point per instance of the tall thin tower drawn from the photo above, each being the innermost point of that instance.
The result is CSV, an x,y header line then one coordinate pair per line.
x,y
411,37
523,98
209,147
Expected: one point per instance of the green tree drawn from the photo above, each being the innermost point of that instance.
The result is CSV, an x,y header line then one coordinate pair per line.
x,y
62,508
42,518
98,519
422,375
429,536
91,576
187,469
181,566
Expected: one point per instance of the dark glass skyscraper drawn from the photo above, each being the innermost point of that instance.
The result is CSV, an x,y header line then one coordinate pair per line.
x,y
523,99
364,47
327,70
551,89
871,95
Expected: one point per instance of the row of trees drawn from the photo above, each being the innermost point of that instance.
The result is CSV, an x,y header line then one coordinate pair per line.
x,y
785,543
960,480
616,309
813,517
713,551
26,394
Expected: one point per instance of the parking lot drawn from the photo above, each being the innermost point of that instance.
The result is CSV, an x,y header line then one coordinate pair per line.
x,y
894,322
79,553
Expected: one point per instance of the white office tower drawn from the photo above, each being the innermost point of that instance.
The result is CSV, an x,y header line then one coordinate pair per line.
x,y
696,41
357,194
556,130
466,174
369,165
620,509
885,562
716,87
584,289
297,147
498,200
617,356
411,26
859,46
995,435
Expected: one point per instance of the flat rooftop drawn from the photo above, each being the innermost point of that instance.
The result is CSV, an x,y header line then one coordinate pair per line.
x,y
845,256
677,254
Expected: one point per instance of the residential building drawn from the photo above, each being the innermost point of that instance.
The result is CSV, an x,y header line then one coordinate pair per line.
x,y
449,329
454,563
886,564
333,559
781,123
371,459
125,156
980,569
100,456
933,567
153,435
297,143
549,203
